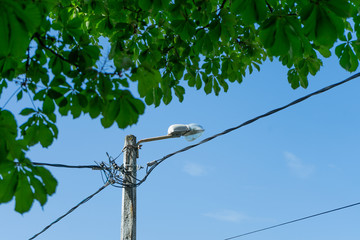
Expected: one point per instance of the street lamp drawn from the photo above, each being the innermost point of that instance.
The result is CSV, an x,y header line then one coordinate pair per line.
x,y
189,131
128,209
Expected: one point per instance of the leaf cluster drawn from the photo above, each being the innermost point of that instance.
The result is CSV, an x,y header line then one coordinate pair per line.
x,y
54,51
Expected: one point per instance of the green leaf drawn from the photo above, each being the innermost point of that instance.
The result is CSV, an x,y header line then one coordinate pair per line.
x,y
251,10
216,87
54,94
27,111
341,8
348,59
281,44
32,135
19,39
24,196
179,92
130,109
8,134
123,61
56,65
267,32
293,78
208,83
190,78
145,4
8,185
39,190
227,27
95,106
198,81
339,49
215,30
82,100
303,81
48,105
48,180
275,36
326,33
110,113
75,107
92,51
53,128
223,83
4,32
147,80
62,102
324,51
51,116
74,27
19,95
45,136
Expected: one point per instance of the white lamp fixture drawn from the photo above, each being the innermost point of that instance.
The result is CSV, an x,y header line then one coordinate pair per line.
x,y
189,131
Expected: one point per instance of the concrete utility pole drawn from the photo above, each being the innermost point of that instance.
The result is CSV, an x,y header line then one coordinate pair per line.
x,y
128,210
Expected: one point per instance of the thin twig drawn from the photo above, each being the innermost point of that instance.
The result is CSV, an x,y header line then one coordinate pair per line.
x,y
16,91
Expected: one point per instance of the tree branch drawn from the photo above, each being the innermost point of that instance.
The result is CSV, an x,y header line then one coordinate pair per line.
x,y
27,65
269,6
223,4
41,42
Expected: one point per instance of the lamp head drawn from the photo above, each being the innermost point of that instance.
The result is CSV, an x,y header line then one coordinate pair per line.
x,y
189,131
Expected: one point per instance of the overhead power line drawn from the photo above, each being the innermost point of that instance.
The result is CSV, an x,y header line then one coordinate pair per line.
x,y
153,164
71,210
101,166
293,221
93,167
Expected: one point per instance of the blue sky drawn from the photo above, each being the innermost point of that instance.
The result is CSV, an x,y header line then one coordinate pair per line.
x,y
295,163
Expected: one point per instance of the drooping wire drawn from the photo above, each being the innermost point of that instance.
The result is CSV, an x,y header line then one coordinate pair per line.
x,y
293,221
155,163
71,210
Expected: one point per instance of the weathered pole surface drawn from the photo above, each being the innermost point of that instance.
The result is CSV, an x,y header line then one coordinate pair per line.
x,y
128,212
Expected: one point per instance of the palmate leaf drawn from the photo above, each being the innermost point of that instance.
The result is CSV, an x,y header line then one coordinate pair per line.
x,y
130,109
321,24
274,36
26,183
251,10
348,59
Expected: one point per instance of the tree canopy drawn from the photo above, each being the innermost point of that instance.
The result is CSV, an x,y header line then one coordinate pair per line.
x,y
53,51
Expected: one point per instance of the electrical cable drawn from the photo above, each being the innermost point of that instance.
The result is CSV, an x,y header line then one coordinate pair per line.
x,y
296,220
155,163
93,167
71,210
